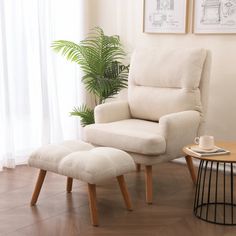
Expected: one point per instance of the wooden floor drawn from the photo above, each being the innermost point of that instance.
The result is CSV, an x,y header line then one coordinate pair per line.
x,y
58,213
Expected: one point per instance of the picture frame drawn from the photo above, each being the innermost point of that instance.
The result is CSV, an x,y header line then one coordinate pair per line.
x,y
214,17
165,16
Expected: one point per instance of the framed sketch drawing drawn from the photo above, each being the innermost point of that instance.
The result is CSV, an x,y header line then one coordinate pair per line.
x,y
214,16
164,16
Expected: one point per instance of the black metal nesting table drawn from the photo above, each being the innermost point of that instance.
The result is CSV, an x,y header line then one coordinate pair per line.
x,y
215,194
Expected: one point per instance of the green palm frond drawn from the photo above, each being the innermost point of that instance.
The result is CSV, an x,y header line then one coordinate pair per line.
x,y
85,113
114,80
100,57
94,53
67,48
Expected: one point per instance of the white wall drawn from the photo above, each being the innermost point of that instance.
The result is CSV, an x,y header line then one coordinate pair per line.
x,y
124,17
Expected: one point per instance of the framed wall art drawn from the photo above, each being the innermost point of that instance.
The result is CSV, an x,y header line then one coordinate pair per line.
x,y
164,16
214,16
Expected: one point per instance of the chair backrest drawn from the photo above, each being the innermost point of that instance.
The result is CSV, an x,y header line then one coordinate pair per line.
x,y
168,81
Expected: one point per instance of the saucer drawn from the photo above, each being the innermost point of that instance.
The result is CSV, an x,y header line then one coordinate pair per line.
x,y
198,149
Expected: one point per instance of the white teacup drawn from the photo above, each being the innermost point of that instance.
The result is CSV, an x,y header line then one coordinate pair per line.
x,y
205,142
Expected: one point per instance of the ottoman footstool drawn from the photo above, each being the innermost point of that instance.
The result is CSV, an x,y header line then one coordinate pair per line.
x,y
79,160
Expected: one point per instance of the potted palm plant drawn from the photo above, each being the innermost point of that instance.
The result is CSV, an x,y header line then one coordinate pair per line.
x,y
100,57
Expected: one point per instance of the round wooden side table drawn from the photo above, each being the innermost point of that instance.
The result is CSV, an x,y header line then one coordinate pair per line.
x,y
215,200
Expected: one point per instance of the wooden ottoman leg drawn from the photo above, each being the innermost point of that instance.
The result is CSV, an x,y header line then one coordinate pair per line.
x,y
138,167
93,204
38,186
191,168
149,192
69,184
124,191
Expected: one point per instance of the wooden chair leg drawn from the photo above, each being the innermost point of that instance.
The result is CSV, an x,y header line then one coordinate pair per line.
x,y
93,204
38,186
149,192
138,167
69,184
191,168
124,191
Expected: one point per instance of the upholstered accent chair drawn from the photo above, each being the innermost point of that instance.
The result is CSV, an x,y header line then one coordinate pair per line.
x,y
164,110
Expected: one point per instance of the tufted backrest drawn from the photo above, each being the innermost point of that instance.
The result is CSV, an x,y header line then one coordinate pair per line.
x,y
167,81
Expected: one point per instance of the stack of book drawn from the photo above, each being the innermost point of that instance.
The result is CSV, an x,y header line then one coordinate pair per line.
x,y
212,152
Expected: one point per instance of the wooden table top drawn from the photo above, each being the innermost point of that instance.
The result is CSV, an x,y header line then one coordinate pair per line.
x,y
231,146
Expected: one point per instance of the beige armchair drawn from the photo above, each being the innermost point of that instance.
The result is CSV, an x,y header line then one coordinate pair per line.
x,y
164,111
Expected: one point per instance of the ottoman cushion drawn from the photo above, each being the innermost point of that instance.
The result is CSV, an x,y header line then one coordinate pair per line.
x,y
96,165
49,156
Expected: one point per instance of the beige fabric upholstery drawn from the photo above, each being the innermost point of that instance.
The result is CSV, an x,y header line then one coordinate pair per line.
x,y
109,112
82,161
131,135
49,156
151,103
96,165
167,69
179,129
166,86
169,82
204,91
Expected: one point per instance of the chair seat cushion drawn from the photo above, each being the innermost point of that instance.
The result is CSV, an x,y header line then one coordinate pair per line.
x,y
132,135
49,156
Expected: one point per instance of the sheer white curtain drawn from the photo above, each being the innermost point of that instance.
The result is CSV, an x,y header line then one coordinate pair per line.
x,y
38,88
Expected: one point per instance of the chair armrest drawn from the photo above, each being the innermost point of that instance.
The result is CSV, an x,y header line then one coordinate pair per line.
x,y
179,130
112,111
